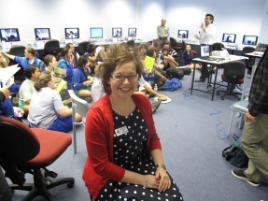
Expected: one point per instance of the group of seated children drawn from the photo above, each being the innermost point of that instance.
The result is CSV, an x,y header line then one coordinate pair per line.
x,y
38,95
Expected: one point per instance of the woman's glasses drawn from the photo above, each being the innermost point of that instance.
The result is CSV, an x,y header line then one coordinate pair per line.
x,y
121,78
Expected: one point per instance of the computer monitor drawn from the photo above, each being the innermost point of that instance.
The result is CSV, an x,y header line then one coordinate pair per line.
x,y
250,40
204,51
228,37
9,34
183,33
71,33
132,32
96,32
42,34
116,32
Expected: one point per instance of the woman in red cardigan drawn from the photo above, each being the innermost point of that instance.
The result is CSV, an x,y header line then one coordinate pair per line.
x,y
124,153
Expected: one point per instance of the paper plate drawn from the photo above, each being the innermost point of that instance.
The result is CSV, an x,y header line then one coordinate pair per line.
x,y
166,101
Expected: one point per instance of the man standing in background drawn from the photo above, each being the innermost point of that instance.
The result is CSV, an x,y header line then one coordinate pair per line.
x,y
206,35
163,31
207,31
255,134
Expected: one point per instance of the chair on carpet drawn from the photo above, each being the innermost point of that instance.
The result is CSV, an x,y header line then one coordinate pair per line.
x,y
233,74
79,106
30,150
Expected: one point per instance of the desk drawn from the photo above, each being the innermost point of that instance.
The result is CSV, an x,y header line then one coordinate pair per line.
x,y
215,63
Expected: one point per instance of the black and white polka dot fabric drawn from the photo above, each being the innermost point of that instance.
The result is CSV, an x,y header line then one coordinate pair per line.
x,y
130,152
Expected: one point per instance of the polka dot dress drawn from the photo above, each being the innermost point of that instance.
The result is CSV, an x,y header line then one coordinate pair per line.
x,y
130,152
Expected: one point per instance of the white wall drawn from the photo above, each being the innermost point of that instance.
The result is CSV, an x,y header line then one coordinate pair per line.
x,y
237,16
264,29
231,16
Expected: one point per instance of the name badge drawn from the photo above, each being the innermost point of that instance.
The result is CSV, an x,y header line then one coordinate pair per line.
x,y
121,131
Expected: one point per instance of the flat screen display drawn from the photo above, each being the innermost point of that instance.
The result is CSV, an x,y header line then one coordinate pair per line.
x,y
183,33
228,37
42,34
71,33
96,32
117,32
132,32
250,40
9,34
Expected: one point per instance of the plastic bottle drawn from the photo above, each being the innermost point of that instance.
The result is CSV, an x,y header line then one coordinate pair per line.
x,y
155,87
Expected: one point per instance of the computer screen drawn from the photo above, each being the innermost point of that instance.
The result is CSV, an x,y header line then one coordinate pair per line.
x,y
42,34
117,32
132,32
9,35
71,33
183,33
204,50
96,32
250,40
228,37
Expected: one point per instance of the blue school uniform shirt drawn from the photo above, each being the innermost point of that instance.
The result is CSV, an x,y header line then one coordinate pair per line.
x,y
25,63
78,78
6,109
62,63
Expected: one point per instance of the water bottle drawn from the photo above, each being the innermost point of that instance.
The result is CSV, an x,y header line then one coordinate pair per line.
x,y
155,87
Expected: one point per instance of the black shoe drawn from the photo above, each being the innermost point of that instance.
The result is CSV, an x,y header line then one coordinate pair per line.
x,y
239,174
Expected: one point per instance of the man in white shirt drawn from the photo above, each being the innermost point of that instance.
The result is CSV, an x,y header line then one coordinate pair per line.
x,y
206,35
207,31
163,31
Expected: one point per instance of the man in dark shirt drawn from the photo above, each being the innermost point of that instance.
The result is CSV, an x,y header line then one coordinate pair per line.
x,y
255,134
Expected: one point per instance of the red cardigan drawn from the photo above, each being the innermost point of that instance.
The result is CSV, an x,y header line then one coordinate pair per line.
x,y
99,130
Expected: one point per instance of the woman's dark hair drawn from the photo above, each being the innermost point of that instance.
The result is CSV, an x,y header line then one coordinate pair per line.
x,y
211,17
82,61
28,72
117,55
217,46
42,80
2,96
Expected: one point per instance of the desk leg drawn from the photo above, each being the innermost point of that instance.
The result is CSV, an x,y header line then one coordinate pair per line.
x,y
214,84
192,84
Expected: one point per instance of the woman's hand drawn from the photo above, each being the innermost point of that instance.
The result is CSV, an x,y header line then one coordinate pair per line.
x,y
163,179
6,92
150,181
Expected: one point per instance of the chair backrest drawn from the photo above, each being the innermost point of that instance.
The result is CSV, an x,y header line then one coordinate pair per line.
x,y
234,72
17,50
17,142
217,46
247,49
82,48
79,105
52,47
